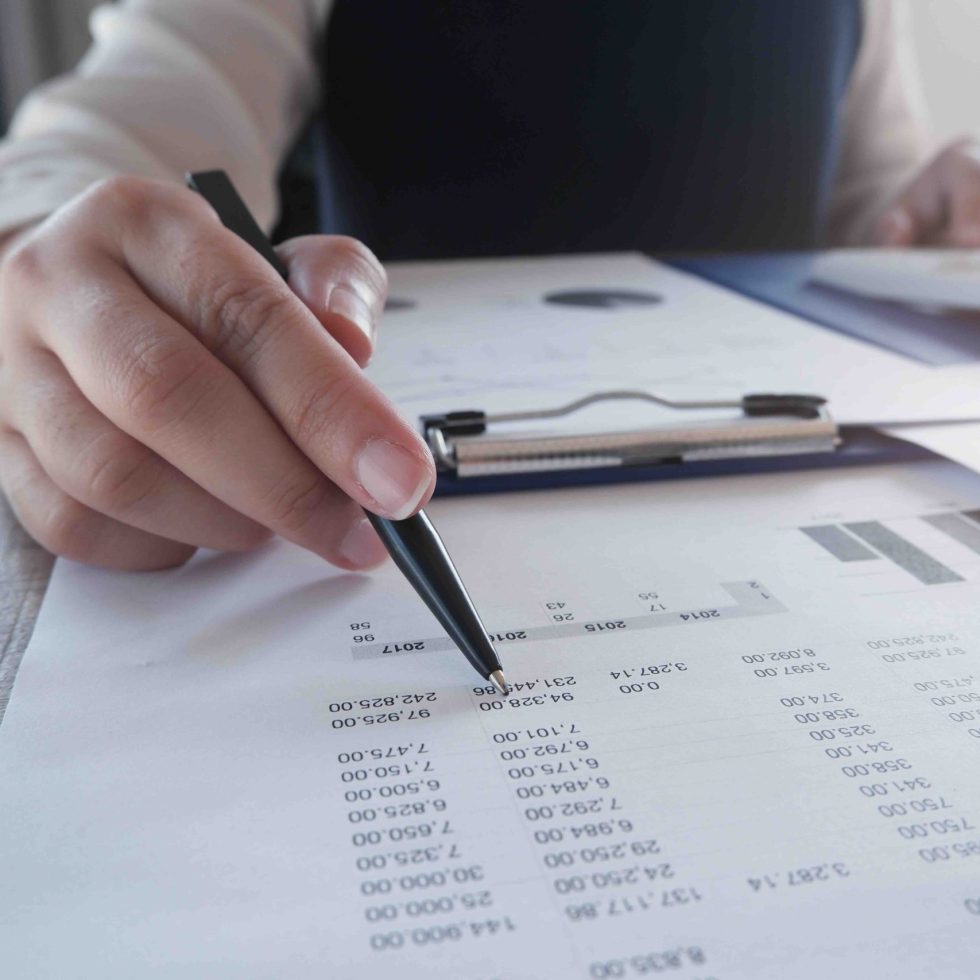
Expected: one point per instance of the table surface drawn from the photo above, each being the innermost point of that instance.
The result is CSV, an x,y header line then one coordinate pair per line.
x,y
25,568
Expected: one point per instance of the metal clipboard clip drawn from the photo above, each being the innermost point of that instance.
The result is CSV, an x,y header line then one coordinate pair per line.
x,y
765,425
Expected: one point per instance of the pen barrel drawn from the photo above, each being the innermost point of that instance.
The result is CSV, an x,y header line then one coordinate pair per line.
x,y
418,551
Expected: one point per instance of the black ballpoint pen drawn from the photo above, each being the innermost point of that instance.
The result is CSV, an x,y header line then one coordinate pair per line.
x,y
413,543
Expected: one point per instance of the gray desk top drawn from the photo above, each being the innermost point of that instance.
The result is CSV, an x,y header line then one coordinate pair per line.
x,y
25,568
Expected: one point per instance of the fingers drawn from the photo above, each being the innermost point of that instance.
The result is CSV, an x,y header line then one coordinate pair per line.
x,y
342,284
156,382
68,528
203,397
100,466
963,190
941,206
212,282
915,215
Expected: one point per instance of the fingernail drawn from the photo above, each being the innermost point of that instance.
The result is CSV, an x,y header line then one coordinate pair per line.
x,y
361,546
345,302
393,477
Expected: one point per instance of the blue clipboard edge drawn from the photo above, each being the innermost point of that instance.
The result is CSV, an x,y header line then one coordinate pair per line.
x,y
861,447
782,280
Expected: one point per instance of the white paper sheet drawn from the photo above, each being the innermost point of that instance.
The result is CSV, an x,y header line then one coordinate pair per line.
x,y
730,753
957,441
483,335
937,277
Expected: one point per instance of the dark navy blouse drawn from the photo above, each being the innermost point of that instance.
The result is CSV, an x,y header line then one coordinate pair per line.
x,y
483,127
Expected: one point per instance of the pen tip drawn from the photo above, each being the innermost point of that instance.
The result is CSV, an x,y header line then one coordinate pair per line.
x,y
499,682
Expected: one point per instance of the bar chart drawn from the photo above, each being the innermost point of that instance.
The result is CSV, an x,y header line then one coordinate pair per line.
x,y
873,541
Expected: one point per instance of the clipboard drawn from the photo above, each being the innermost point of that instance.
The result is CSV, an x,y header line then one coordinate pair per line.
x,y
764,433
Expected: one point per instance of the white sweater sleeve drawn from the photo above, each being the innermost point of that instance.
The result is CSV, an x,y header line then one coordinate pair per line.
x,y
168,86
885,130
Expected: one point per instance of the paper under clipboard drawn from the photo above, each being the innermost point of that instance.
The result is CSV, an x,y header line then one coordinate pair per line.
x,y
530,342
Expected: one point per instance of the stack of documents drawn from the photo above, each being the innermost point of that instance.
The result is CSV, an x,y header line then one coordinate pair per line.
x,y
742,740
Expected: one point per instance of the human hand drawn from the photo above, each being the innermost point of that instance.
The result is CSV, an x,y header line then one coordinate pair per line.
x,y
162,389
941,206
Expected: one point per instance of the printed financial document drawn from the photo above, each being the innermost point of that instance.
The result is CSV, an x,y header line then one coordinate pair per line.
x,y
743,743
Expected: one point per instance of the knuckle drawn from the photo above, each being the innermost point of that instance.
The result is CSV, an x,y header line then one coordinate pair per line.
x,y
137,204
292,504
357,250
123,193
964,143
363,259
321,410
24,266
128,193
952,160
242,315
168,382
252,536
971,163
119,476
68,529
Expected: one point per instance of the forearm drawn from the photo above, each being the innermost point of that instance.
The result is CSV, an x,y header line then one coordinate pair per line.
x,y
168,85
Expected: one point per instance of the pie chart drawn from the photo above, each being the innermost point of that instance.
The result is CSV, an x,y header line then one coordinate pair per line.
x,y
603,299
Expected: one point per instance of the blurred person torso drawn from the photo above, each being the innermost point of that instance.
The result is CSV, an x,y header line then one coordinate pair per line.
x,y
479,127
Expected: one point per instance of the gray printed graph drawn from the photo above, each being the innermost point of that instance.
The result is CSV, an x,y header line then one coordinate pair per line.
x,y
873,541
